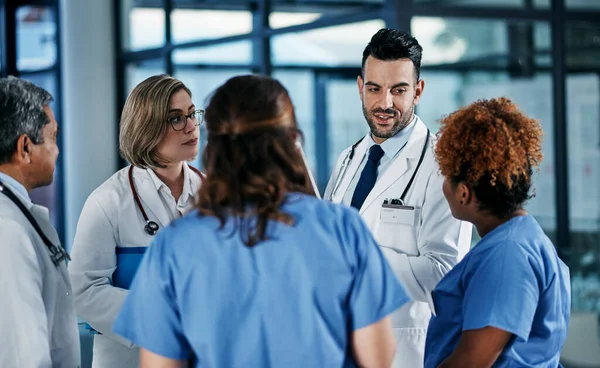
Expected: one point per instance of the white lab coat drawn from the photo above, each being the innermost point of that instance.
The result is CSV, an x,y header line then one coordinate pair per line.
x,y
110,218
37,315
421,255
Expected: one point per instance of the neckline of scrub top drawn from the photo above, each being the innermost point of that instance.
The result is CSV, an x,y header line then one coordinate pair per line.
x,y
499,228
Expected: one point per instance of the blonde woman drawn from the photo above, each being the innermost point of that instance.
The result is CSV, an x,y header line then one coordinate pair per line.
x,y
159,133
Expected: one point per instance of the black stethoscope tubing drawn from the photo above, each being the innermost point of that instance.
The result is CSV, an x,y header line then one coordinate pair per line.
x,y
151,227
57,252
350,156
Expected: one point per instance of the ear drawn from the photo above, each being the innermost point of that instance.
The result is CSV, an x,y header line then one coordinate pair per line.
x,y
465,194
361,86
24,149
419,87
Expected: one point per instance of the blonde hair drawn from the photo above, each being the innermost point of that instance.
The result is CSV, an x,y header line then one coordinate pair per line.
x,y
144,120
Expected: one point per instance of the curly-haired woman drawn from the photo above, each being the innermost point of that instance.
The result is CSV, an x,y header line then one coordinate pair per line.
x,y
507,303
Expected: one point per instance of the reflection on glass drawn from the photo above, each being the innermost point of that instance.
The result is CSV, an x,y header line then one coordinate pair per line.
x,y
582,4
485,43
143,28
583,46
137,72
300,86
193,25
333,46
490,3
239,52
285,19
36,38
48,196
202,83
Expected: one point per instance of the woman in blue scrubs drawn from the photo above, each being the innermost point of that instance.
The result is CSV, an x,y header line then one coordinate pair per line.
x,y
507,303
263,274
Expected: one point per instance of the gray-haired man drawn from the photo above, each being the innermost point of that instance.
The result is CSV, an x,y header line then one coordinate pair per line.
x,y
37,317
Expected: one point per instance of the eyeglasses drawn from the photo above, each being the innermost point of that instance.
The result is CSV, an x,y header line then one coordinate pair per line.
x,y
179,122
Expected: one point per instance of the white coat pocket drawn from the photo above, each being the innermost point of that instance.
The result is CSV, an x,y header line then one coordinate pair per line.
x,y
397,228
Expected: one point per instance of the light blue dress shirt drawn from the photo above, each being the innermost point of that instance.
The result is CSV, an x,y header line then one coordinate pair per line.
x,y
391,148
15,185
512,280
290,301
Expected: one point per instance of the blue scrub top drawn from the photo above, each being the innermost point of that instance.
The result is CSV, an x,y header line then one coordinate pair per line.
x,y
290,301
512,280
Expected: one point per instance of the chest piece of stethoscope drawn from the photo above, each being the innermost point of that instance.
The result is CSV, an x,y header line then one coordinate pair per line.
x,y
151,228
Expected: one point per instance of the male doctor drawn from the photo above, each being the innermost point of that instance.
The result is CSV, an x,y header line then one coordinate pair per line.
x,y
37,315
392,178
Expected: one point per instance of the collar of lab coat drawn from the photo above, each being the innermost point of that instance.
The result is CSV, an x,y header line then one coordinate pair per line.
x,y
148,185
400,168
40,213
16,187
392,146
187,183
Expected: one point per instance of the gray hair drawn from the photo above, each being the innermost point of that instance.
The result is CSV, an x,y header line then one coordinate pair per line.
x,y
21,112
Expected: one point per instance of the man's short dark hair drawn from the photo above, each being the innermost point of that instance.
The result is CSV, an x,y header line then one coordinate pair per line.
x,y
21,112
390,45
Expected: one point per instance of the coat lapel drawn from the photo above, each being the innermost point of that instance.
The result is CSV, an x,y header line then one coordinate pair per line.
x,y
401,169
146,190
359,152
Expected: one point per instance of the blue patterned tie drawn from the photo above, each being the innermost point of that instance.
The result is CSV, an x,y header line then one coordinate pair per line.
x,y
368,177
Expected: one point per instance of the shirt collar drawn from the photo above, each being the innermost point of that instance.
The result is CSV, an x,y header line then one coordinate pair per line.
x,y
393,145
15,185
187,187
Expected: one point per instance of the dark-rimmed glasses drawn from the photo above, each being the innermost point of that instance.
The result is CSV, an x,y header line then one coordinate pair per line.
x,y
179,122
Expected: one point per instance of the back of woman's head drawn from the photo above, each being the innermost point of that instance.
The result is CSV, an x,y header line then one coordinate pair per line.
x,y
251,159
491,147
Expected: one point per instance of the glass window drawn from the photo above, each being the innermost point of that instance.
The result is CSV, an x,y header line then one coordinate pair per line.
x,y
333,46
583,46
193,25
300,86
235,53
137,72
280,19
202,82
481,42
489,3
36,38
48,196
582,4
143,28
345,120
582,347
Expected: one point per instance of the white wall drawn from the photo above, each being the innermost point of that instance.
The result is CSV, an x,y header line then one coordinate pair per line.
x,y
89,119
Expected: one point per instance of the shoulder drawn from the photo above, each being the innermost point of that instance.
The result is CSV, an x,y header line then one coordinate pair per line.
x,y
16,238
336,219
114,188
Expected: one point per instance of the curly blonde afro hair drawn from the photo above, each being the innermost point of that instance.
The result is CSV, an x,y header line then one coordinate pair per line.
x,y
492,147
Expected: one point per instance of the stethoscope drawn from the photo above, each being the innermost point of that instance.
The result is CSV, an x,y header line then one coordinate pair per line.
x,y
57,252
350,156
151,227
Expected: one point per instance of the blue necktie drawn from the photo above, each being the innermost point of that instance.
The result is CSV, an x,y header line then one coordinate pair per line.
x,y
368,177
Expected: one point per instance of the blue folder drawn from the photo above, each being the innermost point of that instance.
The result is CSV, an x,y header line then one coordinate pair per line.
x,y
128,261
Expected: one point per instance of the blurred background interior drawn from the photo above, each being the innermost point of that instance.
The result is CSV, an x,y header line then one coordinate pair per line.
x,y
543,54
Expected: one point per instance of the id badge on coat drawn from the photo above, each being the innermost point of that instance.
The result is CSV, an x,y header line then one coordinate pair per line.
x,y
399,214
